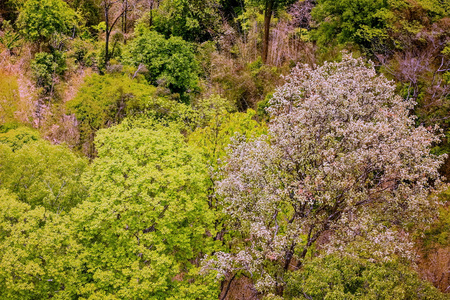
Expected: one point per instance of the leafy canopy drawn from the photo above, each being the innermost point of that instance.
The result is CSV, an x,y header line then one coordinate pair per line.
x,y
104,101
41,174
146,217
192,20
170,62
341,277
39,19
344,21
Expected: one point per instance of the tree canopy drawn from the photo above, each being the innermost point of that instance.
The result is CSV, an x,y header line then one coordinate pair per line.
x,y
39,19
342,156
170,62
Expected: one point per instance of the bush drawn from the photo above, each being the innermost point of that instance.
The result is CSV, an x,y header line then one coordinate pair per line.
x,y
104,101
335,277
45,68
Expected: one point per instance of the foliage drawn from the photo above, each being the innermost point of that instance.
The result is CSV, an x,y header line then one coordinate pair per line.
x,y
103,101
39,19
44,175
88,10
80,50
16,138
357,21
341,277
342,157
216,136
45,68
244,84
439,232
21,267
197,20
146,218
170,62
10,38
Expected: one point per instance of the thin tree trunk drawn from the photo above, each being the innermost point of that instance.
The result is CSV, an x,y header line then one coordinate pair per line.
x,y
151,15
125,17
267,18
107,32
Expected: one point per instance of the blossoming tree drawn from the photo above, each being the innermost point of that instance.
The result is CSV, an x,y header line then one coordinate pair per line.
x,y
343,163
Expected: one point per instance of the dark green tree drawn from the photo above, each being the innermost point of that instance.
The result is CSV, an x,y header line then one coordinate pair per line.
x,y
170,62
193,20
343,21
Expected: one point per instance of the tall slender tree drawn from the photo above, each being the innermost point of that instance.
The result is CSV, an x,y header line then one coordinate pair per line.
x,y
113,11
269,7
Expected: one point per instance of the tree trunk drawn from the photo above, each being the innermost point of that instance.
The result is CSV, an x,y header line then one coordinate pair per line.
x,y
107,32
150,22
267,18
125,17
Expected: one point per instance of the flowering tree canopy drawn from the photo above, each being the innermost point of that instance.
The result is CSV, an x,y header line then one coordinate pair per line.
x,y
343,162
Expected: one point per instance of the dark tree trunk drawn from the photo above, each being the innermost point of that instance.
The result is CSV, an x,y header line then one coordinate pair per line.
x,y
107,32
267,18
150,22
125,17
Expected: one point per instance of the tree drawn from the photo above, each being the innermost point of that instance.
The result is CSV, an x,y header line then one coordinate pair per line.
x,y
342,157
104,101
146,220
16,138
221,128
269,7
39,19
21,267
171,63
10,39
193,20
41,174
113,10
46,67
357,21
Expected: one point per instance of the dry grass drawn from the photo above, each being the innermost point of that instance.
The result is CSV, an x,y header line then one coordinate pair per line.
x,y
24,94
435,267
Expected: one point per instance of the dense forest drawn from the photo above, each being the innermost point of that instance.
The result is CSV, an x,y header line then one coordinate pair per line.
x,y
224,149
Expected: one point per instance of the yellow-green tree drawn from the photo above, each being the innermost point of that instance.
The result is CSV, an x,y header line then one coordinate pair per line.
x,y
39,19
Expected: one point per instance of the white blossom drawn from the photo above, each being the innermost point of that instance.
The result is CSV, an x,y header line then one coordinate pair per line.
x,y
343,156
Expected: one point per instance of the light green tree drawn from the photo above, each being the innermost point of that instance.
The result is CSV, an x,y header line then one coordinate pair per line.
x,y
344,277
16,138
23,262
39,19
41,174
146,221
216,136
